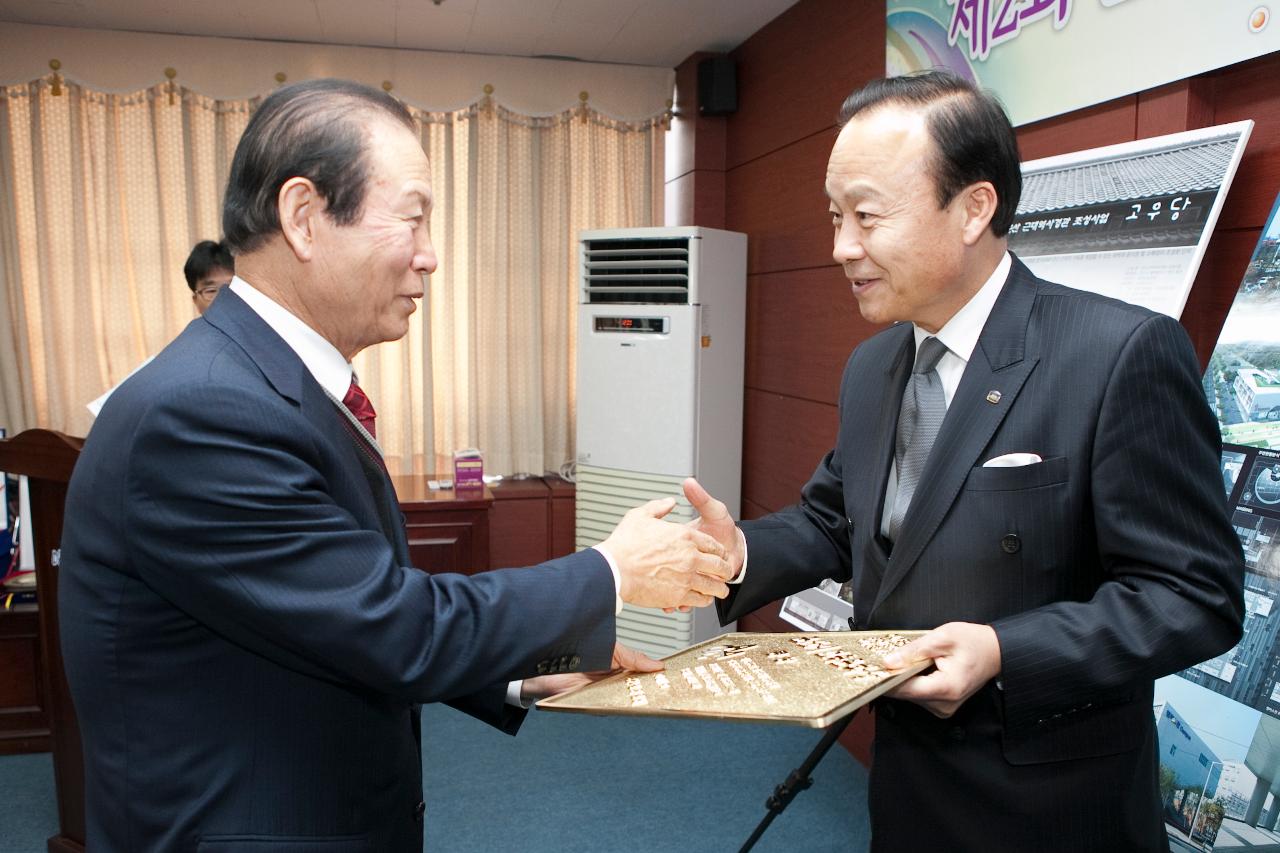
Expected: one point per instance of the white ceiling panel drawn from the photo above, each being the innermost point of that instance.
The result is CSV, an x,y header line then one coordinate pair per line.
x,y
279,20
422,25
584,40
370,22
638,40
611,15
658,33
87,13
498,33
541,9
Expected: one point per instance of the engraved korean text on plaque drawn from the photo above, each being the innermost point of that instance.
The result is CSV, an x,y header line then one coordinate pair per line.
x,y
809,679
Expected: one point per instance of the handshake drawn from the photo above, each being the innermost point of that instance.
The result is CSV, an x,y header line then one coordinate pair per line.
x,y
661,564
667,565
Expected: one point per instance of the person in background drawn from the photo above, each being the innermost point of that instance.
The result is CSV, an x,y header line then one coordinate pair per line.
x,y
209,268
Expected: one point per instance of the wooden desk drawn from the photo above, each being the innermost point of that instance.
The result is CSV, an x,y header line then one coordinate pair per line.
x,y
513,523
24,715
519,523
563,521
46,458
448,531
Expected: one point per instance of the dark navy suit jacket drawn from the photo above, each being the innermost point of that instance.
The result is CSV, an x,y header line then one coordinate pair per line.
x,y
1106,565
245,641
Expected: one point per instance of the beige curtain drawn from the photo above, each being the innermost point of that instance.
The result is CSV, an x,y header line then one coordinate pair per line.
x,y
101,198
103,195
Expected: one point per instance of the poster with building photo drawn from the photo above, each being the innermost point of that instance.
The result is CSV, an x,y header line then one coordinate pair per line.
x,y
1219,721
1131,221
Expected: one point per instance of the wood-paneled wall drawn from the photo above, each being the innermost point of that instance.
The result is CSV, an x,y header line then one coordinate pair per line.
x,y
802,322
769,160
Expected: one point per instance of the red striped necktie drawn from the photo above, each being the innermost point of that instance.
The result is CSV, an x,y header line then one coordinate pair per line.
x,y
359,404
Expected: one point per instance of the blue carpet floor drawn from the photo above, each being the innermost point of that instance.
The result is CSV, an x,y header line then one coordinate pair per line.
x,y
572,784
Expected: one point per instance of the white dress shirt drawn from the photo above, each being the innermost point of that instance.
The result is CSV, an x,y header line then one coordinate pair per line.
x,y
321,358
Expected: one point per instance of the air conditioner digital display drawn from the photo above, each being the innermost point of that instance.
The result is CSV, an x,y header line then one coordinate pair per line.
x,y
643,325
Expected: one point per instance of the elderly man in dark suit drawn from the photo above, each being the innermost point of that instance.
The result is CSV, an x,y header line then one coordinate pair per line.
x,y
1027,470
245,640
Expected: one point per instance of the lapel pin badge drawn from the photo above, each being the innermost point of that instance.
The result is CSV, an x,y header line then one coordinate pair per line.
x,y
993,397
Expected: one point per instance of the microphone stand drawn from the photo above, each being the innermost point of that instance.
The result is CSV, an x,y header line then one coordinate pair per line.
x,y
797,780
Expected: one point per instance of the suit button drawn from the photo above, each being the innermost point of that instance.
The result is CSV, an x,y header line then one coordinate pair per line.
x,y
1011,544
543,668
418,811
887,711
956,733
575,662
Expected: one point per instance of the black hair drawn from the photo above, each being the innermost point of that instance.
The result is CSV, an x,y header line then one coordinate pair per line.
x,y
206,256
972,135
317,130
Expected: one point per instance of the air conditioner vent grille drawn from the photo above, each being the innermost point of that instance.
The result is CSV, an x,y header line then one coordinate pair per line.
x,y
603,496
636,270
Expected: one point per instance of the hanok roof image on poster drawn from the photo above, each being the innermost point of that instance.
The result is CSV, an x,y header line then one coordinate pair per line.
x,y
1131,221
807,679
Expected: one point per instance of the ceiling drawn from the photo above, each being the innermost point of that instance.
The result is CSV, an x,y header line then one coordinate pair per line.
x,y
659,33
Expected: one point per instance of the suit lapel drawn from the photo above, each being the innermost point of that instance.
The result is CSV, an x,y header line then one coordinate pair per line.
x,y
382,491
286,373
277,361
999,364
896,375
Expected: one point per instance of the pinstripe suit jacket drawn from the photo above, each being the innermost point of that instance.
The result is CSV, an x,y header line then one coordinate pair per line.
x,y
245,642
1110,563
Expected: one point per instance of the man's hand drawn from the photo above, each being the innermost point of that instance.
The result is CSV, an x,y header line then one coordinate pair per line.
x,y
714,520
533,689
663,564
965,657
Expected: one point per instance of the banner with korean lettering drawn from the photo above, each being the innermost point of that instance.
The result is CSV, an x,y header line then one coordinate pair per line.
x,y
1047,57
1132,220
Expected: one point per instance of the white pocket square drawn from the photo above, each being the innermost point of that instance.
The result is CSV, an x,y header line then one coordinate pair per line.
x,y
1012,460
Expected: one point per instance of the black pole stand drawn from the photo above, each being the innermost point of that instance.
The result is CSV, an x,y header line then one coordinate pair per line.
x,y
797,781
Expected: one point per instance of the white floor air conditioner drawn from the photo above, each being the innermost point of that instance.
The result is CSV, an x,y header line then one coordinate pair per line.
x,y
661,330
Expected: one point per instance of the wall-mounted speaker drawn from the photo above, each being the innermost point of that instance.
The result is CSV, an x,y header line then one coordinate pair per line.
x,y
717,86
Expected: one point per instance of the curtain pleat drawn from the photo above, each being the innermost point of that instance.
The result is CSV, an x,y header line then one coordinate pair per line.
x,y
102,196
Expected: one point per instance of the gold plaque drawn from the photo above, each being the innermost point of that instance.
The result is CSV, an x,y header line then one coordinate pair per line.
x,y
806,679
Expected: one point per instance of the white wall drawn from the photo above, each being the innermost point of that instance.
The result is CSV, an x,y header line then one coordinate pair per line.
x,y
239,68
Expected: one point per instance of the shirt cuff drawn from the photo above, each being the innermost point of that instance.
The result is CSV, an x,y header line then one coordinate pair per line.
x,y
742,572
617,578
513,694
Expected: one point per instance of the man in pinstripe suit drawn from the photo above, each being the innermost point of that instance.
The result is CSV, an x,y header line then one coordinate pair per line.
x,y
245,638
1067,540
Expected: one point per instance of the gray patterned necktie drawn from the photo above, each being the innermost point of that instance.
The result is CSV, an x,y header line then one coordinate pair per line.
x,y
923,408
